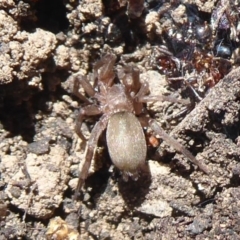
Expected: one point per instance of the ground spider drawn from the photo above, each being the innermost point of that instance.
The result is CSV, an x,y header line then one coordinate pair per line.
x,y
121,107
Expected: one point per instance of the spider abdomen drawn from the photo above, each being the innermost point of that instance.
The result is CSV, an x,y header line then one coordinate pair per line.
x,y
126,142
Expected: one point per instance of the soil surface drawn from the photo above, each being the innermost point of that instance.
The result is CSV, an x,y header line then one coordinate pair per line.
x,y
185,49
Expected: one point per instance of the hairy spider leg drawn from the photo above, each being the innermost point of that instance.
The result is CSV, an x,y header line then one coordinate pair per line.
x,y
84,112
91,145
179,147
143,96
82,80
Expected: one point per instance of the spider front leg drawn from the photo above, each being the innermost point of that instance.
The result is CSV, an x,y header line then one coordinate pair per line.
x,y
179,147
103,70
92,144
90,110
80,80
144,97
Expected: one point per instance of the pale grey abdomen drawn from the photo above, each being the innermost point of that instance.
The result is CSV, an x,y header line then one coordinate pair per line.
x,y
126,142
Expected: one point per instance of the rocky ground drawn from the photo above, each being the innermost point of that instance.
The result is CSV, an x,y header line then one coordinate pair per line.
x,y
186,49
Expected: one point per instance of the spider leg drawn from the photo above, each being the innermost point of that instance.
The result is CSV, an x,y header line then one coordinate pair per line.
x,y
80,80
90,110
179,147
143,91
130,78
142,96
92,143
172,99
103,70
